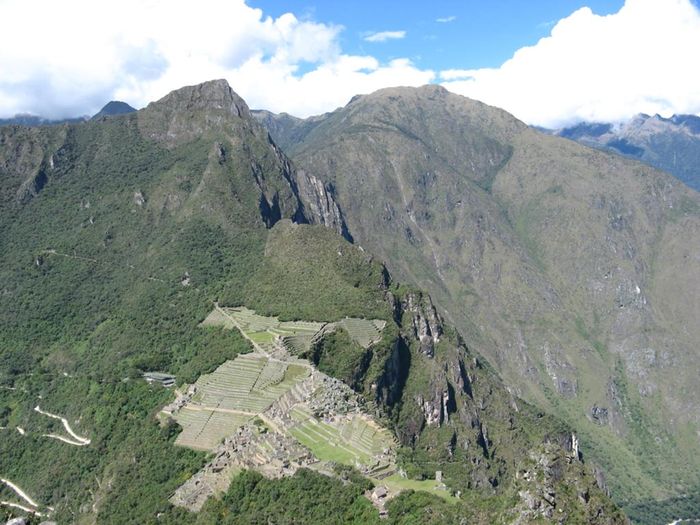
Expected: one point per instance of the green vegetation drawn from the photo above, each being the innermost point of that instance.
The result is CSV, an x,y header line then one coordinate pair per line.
x,y
337,355
311,273
307,497
551,259
663,512
107,303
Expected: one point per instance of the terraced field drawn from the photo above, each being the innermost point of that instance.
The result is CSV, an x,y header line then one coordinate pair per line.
x,y
232,395
363,331
266,331
296,336
353,440
249,385
203,429
217,318
396,483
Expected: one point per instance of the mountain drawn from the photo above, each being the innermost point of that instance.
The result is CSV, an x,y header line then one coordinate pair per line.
x,y
123,237
670,144
34,120
112,108
573,270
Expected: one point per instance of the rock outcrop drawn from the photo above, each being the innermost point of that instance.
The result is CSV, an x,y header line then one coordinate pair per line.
x,y
319,203
424,319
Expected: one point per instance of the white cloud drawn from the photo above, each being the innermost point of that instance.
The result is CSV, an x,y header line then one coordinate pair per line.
x,y
79,54
446,19
591,67
383,36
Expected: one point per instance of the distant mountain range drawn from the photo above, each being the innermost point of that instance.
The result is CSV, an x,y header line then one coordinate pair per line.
x,y
111,108
114,107
671,144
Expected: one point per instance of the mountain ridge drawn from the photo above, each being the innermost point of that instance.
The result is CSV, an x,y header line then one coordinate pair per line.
x,y
553,259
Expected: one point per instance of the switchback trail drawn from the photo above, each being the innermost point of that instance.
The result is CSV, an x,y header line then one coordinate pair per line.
x,y
22,495
80,441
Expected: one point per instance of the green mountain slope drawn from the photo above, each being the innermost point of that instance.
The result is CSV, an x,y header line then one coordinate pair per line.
x,y
119,235
574,271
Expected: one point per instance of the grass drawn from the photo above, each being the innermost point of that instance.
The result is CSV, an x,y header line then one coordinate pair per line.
x,y
326,444
261,337
395,482
344,441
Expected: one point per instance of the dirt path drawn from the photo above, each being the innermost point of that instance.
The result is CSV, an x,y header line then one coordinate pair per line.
x,y
204,408
78,257
256,346
65,440
81,441
96,261
20,492
21,507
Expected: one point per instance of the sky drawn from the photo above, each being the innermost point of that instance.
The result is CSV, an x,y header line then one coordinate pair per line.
x,y
549,62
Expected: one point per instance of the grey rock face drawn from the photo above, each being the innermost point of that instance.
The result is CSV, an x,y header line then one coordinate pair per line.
x,y
425,321
320,206
599,415
185,114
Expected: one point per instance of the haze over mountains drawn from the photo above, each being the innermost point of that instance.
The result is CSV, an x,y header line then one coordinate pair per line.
x,y
111,108
573,271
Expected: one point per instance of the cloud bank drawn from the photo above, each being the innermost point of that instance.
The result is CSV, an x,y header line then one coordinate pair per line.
x,y
598,68
68,58
78,54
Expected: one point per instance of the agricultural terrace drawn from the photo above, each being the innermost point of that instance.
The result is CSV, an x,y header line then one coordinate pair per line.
x,y
271,385
297,336
353,440
232,395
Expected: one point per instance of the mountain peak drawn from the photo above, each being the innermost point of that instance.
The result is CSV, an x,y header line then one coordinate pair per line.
x,y
188,112
208,96
114,107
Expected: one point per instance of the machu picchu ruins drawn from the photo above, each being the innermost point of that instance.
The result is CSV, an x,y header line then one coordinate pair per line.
x,y
274,412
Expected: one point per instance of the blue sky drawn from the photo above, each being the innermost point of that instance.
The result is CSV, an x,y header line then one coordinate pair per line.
x,y
482,34
548,62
